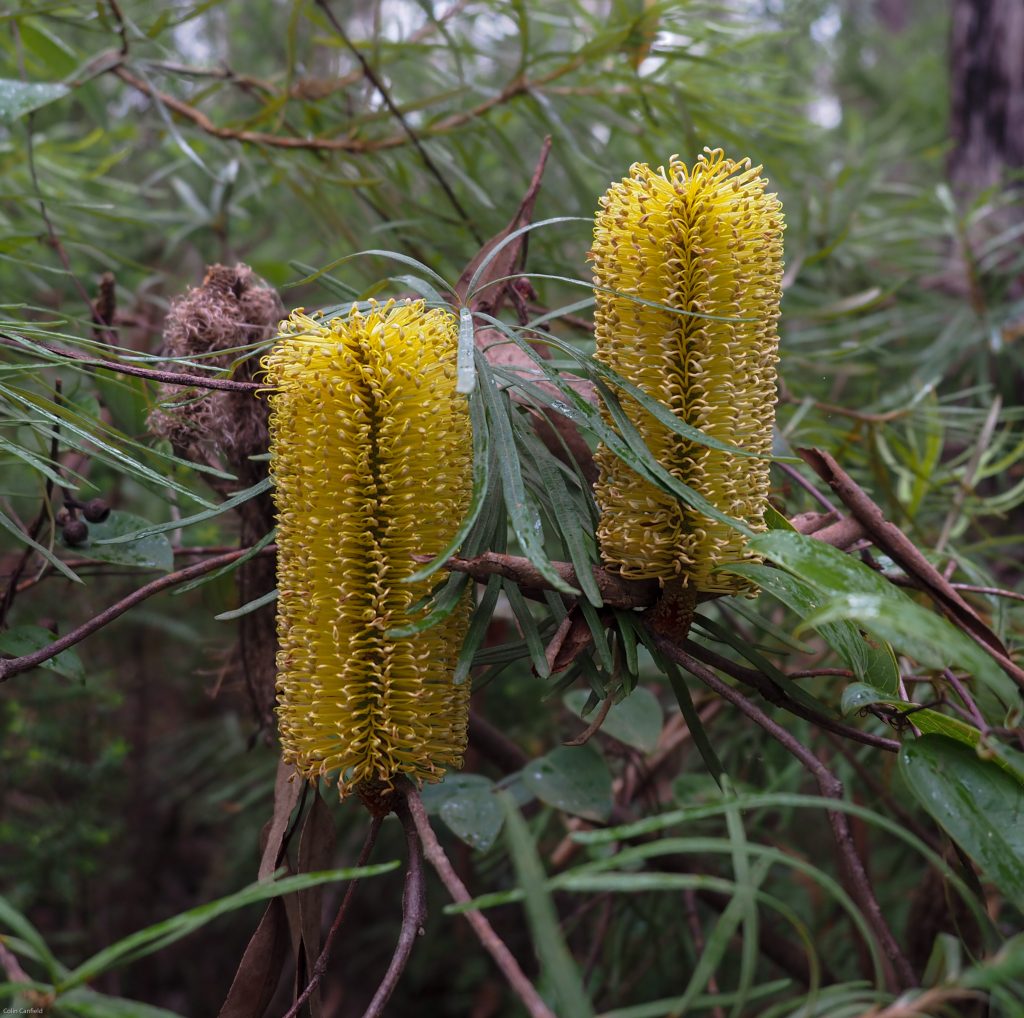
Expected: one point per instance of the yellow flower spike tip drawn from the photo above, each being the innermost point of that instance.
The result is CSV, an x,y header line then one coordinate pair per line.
x,y
371,456
706,240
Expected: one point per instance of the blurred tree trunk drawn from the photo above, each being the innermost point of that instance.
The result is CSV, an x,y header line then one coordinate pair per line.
x,y
987,93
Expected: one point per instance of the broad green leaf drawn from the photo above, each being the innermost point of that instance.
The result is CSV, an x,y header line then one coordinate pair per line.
x,y
574,779
976,802
859,695
850,590
20,97
921,634
115,540
875,666
636,720
468,805
23,640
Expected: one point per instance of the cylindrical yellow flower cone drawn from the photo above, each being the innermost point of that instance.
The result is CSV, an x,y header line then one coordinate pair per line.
x,y
371,456
708,240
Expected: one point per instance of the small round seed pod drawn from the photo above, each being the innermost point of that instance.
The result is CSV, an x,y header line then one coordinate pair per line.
x,y
75,532
371,456
96,510
705,240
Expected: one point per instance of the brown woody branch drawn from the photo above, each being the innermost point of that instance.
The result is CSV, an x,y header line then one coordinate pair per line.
x,y
494,945
900,974
888,538
167,377
10,667
414,912
356,146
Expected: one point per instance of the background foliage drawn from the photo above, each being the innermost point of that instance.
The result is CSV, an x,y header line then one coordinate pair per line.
x,y
149,140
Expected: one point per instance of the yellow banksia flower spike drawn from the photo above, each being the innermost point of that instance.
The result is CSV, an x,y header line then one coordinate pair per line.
x,y
371,457
705,239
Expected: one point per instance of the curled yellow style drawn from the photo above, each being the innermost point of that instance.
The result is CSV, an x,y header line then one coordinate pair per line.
x,y
371,455
705,240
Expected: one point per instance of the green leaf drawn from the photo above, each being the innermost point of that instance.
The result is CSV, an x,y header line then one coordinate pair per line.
x,y
249,607
85,1003
160,935
859,695
921,634
549,944
853,591
468,805
875,666
522,513
115,540
636,720
18,98
151,529
976,802
23,640
15,922
574,779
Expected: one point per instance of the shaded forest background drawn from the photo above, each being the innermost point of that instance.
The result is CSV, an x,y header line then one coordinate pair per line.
x,y
151,141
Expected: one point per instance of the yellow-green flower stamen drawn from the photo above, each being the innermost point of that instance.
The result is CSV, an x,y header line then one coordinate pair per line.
x,y
705,240
371,455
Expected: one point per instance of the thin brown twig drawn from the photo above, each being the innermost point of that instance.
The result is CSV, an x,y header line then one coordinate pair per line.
x,y
10,667
10,964
968,701
490,940
991,591
414,912
774,694
167,377
900,974
887,537
382,90
320,966
517,86
594,727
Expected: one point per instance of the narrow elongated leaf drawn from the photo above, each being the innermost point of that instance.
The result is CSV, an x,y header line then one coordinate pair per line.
x,y
247,609
187,521
524,520
8,524
552,952
14,922
160,935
